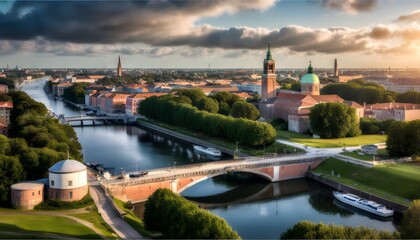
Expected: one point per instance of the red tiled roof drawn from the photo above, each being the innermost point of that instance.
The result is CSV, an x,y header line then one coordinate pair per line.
x,y
146,95
6,104
392,105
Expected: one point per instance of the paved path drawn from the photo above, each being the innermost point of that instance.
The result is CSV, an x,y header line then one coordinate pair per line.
x,y
122,228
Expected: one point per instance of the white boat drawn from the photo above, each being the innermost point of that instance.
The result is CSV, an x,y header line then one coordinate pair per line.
x,y
208,150
367,205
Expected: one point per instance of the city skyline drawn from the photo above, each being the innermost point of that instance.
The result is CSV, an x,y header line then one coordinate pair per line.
x,y
222,34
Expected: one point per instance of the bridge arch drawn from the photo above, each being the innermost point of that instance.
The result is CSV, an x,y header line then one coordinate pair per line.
x,y
203,178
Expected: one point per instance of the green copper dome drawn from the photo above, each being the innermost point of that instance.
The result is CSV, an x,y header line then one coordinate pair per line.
x,y
310,77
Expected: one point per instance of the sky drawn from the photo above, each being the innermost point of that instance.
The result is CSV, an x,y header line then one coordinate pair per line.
x,y
215,33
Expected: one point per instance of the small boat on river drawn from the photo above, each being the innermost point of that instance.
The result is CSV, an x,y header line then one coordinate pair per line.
x,y
208,150
364,204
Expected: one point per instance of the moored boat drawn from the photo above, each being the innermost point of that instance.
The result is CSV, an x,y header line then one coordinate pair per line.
x,y
208,150
364,204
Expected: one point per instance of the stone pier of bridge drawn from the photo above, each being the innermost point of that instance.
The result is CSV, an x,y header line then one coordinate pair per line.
x,y
181,178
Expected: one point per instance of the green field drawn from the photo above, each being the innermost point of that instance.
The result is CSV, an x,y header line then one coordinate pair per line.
x,y
382,154
98,222
365,157
397,182
131,218
24,224
330,143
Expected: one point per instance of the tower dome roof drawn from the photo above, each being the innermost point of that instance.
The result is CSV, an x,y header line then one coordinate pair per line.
x,y
310,77
67,166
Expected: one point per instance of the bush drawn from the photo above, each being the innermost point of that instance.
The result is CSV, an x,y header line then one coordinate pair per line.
x,y
54,204
311,230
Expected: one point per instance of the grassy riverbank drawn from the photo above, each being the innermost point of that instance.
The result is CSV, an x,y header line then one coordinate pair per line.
x,y
397,182
330,143
130,217
271,149
21,225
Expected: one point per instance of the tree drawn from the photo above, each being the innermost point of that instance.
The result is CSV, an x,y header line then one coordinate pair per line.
x,y
296,86
409,97
207,104
75,93
194,94
179,218
411,221
242,109
11,171
224,108
403,138
334,120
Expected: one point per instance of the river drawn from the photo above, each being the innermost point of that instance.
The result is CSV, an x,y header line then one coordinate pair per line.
x,y
253,207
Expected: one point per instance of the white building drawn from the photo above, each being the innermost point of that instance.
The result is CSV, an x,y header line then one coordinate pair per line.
x,y
68,180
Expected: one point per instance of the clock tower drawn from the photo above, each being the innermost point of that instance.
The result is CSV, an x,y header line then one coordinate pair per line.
x,y
268,85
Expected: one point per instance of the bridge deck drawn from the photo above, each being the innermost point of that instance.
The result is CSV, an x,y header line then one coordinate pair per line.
x,y
163,174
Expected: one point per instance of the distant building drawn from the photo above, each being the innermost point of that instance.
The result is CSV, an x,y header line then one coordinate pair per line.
x,y
67,180
4,88
133,101
370,149
5,109
58,89
400,88
119,68
396,111
250,87
268,84
342,78
25,195
113,102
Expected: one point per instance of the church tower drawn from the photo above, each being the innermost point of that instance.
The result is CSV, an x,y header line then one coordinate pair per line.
x,y
335,68
119,69
268,85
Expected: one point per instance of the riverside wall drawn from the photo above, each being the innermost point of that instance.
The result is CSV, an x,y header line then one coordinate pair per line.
x,y
187,138
345,188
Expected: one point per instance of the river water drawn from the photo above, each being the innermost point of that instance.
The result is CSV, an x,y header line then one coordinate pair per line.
x,y
256,209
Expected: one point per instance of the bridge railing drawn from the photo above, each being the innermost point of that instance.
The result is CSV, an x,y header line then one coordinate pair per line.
x,y
173,174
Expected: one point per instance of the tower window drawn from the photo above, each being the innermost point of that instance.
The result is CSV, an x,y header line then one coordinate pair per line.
x,y
70,183
70,195
52,182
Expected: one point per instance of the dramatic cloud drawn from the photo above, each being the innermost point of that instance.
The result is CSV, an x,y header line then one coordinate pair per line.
x,y
169,27
350,6
113,21
412,17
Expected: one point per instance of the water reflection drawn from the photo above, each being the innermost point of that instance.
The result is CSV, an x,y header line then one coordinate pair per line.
x,y
265,210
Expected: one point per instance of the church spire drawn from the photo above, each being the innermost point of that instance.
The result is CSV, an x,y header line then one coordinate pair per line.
x,y
269,56
310,69
119,69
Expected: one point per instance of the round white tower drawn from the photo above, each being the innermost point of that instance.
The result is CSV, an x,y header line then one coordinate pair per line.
x,y
68,181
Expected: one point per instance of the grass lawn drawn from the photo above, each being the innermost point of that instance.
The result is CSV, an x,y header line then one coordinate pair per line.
x,y
28,223
258,151
382,154
330,143
133,220
96,219
365,157
397,182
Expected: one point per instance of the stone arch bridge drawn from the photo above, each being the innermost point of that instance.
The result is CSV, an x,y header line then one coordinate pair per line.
x,y
180,178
